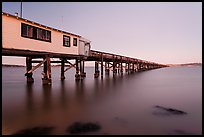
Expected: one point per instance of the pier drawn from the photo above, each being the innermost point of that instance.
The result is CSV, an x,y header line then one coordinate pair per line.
x,y
117,64
40,44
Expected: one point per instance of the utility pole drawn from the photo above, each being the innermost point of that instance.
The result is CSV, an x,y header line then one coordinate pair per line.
x,y
21,9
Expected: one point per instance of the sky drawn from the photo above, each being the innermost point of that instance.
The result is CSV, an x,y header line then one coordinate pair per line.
x,y
161,32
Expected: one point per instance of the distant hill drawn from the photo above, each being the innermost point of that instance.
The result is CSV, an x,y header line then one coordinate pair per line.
x,y
8,65
186,64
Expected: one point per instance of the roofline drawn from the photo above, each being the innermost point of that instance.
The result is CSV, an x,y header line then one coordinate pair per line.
x,y
4,13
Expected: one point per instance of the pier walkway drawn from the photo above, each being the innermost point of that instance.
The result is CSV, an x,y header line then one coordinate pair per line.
x,y
107,61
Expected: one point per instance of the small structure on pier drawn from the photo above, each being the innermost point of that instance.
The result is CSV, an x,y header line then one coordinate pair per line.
x,y
23,34
35,40
22,37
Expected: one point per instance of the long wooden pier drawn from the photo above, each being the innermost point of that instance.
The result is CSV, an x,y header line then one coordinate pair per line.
x,y
40,43
107,61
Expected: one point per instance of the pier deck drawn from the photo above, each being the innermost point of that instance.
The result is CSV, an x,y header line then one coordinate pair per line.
x,y
109,61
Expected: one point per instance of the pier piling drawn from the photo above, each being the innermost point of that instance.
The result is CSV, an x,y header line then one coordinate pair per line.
x,y
62,69
28,68
96,74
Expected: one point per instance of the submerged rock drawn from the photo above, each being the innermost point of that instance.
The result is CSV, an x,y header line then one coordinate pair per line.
x,y
35,131
171,110
78,127
182,132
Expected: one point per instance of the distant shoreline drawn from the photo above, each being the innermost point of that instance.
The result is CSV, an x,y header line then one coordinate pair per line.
x,y
187,64
171,65
8,65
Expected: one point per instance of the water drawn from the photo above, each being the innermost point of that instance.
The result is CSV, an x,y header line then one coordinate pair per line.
x,y
121,105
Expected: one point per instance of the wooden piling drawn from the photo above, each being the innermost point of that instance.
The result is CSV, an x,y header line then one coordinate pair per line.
x,y
133,68
96,74
107,68
121,68
62,69
114,65
83,74
101,65
29,67
47,71
128,67
77,75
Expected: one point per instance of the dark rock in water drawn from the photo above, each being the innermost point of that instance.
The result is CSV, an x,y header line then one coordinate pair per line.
x,y
120,121
171,110
83,127
182,132
35,131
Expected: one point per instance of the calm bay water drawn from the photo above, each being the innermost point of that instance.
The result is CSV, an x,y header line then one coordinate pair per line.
x,y
121,105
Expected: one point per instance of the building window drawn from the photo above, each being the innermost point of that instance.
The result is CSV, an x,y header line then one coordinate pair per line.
x,y
32,32
75,42
43,34
66,41
27,30
39,34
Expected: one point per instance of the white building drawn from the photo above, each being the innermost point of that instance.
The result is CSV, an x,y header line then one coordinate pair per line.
x,y
22,34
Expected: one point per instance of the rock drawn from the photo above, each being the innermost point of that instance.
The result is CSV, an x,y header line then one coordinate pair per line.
x,y
35,131
182,132
120,121
78,127
171,110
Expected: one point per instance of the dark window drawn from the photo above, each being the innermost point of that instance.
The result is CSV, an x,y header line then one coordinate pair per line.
x,y
75,42
66,41
32,32
27,30
39,33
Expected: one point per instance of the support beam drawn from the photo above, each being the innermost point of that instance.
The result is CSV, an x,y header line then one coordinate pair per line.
x,y
128,67
96,74
77,75
121,68
69,67
82,71
34,68
49,68
107,69
39,61
47,71
28,68
62,69
114,68
133,68
101,65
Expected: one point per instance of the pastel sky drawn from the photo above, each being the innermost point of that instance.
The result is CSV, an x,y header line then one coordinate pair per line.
x,y
165,32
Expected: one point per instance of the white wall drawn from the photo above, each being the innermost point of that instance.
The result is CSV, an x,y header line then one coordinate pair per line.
x,y
11,38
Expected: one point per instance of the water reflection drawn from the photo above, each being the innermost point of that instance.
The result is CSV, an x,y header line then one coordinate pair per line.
x,y
80,91
63,95
29,97
121,104
47,94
